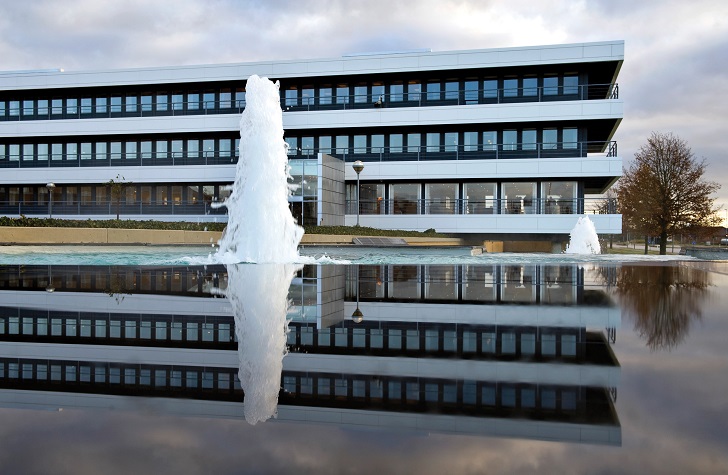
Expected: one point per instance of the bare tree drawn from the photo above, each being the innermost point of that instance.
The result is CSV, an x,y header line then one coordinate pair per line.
x,y
664,192
117,188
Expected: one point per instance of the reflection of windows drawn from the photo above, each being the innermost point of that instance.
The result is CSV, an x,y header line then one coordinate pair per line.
x,y
570,138
571,85
510,87
550,85
530,86
490,88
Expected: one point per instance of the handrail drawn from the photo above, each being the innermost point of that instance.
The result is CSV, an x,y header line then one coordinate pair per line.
x,y
510,205
312,103
404,153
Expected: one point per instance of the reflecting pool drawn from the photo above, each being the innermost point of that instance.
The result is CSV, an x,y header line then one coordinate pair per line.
x,y
509,366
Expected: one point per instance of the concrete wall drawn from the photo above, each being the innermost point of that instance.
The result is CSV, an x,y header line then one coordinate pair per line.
x,y
331,191
23,235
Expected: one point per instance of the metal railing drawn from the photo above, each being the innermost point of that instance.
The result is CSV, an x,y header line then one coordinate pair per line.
x,y
468,152
108,208
459,206
16,110
371,154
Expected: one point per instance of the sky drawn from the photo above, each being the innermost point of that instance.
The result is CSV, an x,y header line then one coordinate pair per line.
x,y
674,78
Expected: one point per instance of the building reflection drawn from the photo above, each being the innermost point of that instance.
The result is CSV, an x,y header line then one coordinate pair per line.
x,y
504,350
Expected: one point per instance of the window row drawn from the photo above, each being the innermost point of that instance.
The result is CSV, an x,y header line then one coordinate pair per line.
x,y
121,328
548,197
526,342
133,151
553,138
383,93
101,195
120,374
220,100
393,390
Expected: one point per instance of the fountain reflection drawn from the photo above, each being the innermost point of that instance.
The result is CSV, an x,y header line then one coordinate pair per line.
x,y
662,301
498,350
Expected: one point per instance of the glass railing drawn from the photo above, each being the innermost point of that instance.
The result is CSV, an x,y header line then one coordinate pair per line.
x,y
367,154
460,206
110,208
22,110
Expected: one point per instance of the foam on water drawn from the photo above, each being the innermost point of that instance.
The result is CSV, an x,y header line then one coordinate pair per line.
x,y
260,225
583,239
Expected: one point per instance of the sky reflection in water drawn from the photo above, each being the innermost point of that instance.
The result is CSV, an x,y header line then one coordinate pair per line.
x,y
670,392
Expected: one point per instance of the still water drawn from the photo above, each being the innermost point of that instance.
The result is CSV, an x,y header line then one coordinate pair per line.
x,y
489,367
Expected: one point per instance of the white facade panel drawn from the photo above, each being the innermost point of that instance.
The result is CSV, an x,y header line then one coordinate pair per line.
x,y
489,224
145,125
466,114
498,57
136,175
492,169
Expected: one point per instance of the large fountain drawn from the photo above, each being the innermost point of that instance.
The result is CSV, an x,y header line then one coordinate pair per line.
x,y
260,225
260,230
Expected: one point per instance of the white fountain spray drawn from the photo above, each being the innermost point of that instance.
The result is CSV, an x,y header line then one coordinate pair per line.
x,y
260,230
583,239
260,225
259,297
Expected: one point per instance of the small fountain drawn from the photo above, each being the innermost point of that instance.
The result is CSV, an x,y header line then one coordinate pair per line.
x,y
583,238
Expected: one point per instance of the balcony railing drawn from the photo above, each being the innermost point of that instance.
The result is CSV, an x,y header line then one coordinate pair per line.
x,y
21,110
493,151
108,208
519,206
368,154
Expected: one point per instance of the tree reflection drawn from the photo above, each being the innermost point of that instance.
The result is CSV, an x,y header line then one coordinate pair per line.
x,y
662,300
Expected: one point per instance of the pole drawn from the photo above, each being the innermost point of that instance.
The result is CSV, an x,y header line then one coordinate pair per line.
x,y
358,207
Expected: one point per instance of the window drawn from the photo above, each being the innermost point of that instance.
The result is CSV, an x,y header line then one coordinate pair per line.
x,y
441,198
226,99
405,198
193,148
193,101
146,102
413,143
377,145
550,85
470,141
360,144
550,139
471,92
570,138
342,144
56,107
291,97
530,86
395,143
433,91
510,140
414,89
325,95
490,140
342,93
115,150
396,92
131,103
177,101
307,96
42,108
86,105
360,93
433,142
452,90
162,102
490,89
28,107
101,103
571,85
510,87
161,150
529,139
451,141
100,151
116,104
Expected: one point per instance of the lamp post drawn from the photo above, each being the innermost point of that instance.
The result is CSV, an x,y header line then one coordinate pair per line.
x,y
357,316
51,187
358,166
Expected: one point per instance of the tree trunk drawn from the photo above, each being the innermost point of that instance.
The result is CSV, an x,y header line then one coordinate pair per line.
x,y
663,242
647,245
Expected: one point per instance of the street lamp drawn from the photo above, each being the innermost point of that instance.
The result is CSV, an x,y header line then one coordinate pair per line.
x,y
358,166
51,187
357,316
